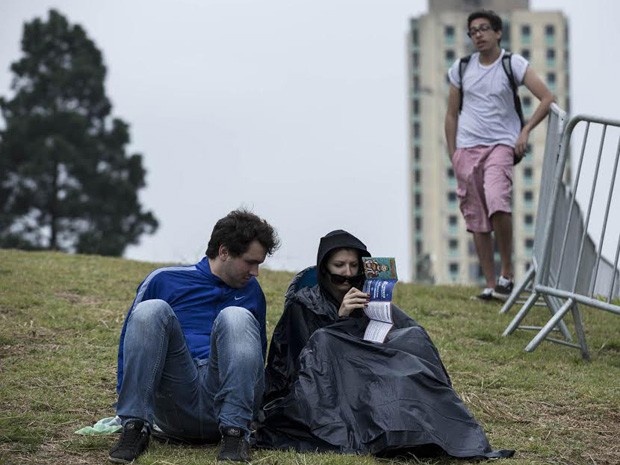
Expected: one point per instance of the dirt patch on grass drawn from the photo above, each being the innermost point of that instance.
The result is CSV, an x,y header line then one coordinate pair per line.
x,y
580,433
78,299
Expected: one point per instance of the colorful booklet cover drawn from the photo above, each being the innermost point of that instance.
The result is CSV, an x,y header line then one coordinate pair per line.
x,y
381,277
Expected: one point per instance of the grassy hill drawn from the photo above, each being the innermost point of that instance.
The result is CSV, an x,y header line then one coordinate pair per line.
x,y
60,319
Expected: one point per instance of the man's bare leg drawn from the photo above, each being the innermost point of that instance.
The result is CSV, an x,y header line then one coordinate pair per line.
x,y
502,225
484,249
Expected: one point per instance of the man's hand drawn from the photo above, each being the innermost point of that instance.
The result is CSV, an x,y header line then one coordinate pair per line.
x,y
352,300
521,144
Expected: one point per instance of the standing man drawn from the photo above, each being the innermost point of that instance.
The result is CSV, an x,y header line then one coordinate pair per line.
x,y
485,139
192,348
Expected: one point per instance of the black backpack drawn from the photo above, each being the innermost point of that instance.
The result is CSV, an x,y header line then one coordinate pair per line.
x,y
506,64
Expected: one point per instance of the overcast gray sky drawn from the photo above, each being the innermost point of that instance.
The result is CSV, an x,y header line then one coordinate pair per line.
x,y
295,109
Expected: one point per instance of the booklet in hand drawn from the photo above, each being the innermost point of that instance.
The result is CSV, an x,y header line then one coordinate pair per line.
x,y
381,278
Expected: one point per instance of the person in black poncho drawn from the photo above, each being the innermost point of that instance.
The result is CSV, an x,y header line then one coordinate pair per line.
x,y
326,389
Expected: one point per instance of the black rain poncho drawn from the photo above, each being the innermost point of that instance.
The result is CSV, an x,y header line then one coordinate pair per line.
x,y
329,390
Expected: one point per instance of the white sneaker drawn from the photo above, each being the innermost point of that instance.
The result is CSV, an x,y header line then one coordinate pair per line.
x,y
486,294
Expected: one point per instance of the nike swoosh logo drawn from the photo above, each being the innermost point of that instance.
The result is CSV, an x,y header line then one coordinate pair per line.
x,y
238,298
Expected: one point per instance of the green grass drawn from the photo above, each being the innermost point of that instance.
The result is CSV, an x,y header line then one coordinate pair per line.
x,y
60,319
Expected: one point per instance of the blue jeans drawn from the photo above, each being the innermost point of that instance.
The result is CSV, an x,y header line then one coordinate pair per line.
x,y
187,398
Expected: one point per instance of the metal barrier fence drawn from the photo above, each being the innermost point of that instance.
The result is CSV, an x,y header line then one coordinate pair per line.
x,y
568,266
522,293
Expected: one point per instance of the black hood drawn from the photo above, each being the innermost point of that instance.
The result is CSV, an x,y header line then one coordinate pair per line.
x,y
338,239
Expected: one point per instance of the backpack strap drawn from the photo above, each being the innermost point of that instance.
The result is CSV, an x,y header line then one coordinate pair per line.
x,y
507,65
463,62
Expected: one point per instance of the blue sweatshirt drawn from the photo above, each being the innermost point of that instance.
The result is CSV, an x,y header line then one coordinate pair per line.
x,y
197,296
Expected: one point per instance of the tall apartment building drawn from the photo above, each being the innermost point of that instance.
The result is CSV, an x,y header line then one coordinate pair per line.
x,y
442,251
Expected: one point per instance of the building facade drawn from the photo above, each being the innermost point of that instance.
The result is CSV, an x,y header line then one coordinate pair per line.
x,y
442,250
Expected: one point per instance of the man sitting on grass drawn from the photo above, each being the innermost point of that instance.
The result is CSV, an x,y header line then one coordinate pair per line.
x,y
193,344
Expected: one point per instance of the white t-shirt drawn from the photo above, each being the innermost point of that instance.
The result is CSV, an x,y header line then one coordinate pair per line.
x,y
488,116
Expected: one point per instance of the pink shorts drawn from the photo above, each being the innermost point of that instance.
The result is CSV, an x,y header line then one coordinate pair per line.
x,y
484,183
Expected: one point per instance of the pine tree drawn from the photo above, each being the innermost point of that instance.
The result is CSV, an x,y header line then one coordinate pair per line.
x,y
66,181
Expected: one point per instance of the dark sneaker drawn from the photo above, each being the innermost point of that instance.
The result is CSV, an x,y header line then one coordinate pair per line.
x,y
134,440
503,289
486,294
235,448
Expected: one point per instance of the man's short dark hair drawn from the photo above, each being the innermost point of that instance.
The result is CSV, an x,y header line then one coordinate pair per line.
x,y
494,19
237,230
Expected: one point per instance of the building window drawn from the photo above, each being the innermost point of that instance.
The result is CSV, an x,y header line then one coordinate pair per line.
x,y
452,220
450,172
451,196
418,224
419,267
414,35
416,130
550,57
527,103
450,56
528,196
528,173
448,34
549,34
529,243
525,53
417,177
415,60
418,247
416,106
528,219
551,81
416,153
526,34
417,200
454,268
453,244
